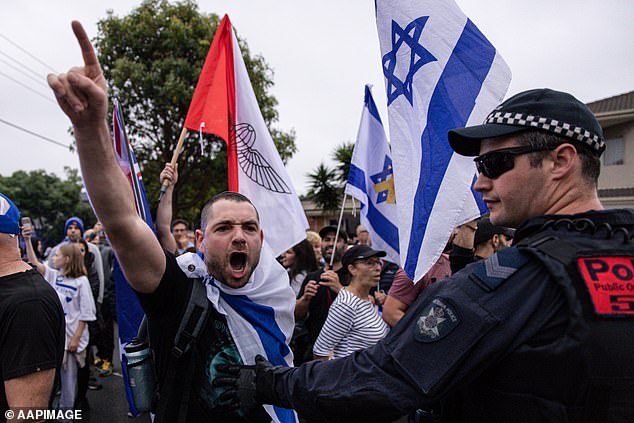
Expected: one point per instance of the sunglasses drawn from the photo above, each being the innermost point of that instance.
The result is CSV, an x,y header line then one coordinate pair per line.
x,y
497,162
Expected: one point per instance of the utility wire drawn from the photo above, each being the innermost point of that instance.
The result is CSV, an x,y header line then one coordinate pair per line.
x,y
27,87
29,54
25,67
35,134
32,78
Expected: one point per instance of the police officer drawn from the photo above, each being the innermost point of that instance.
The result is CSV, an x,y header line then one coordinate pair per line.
x,y
539,332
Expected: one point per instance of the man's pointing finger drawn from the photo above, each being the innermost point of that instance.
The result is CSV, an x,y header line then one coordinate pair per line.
x,y
87,51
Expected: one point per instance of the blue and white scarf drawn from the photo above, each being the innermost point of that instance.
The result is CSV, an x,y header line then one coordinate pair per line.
x,y
259,315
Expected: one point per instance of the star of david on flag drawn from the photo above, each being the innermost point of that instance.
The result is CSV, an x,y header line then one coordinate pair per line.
x,y
384,183
419,56
452,77
371,181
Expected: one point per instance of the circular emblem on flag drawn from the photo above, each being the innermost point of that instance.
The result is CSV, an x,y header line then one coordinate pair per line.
x,y
191,267
437,320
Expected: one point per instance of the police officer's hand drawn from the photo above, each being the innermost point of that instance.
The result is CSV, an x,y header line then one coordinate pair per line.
x,y
330,278
247,386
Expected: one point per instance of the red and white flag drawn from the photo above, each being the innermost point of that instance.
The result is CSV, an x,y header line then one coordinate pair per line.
x,y
225,105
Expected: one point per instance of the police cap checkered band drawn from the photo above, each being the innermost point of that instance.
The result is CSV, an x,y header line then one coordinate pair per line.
x,y
595,142
542,109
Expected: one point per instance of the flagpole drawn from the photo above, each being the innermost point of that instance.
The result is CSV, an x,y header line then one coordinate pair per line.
x,y
177,151
343,205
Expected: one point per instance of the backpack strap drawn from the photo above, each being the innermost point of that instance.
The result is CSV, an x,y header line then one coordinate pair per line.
x,y
193,321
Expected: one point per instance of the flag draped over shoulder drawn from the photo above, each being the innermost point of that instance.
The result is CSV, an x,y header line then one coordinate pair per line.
x,y
259,314
440,73
371,181
129,311
225,105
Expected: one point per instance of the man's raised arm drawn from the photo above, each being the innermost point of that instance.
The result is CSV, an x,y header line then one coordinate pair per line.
x,y
82,94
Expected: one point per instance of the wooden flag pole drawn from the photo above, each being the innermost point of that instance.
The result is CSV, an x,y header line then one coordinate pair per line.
x,y
177,152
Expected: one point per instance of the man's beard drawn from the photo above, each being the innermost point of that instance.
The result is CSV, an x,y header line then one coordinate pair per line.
x,y
219,272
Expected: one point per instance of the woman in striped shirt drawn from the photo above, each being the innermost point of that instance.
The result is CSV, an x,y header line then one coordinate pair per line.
x,y
353,321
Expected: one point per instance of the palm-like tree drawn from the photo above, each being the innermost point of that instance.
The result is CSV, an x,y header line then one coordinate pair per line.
x,y
325,189
342,155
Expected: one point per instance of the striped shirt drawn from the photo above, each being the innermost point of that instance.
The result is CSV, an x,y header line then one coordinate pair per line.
x,y
352,324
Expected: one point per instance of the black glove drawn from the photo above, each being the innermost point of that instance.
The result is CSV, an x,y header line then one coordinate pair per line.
x,y
248,386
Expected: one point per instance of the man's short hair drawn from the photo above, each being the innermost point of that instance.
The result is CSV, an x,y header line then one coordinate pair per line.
x,y
180,222
590,162
229,196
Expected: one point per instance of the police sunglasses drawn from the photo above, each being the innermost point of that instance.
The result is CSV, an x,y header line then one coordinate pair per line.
x,y
497,162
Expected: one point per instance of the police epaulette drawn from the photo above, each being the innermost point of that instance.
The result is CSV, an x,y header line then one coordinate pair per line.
x,y
490,273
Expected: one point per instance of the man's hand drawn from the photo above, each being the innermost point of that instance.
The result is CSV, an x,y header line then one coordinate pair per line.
x,y
310,290
82,93
169,174
330,278
247,386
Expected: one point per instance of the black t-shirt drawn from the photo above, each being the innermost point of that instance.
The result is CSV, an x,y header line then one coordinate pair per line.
x,y
32,328
164,309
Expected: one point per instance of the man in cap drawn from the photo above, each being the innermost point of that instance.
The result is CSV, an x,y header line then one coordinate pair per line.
x,y
31,324
471,245
538,332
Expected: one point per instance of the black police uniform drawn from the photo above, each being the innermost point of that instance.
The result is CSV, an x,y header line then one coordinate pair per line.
x,y
539,332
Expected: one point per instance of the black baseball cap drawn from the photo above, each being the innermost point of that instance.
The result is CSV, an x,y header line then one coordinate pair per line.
x,y
333,229
359,252
542,109
486,230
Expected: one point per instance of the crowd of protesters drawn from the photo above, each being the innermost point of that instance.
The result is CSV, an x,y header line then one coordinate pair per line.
x,y
348,295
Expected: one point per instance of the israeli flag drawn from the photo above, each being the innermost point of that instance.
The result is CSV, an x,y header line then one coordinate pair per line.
x,y
371,181
440,73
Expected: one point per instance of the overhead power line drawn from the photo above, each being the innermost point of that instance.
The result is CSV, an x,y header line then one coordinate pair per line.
x,y
25,67
27,87
29,54
39,80
35,134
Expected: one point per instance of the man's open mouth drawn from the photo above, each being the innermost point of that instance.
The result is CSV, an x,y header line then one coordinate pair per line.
x,y
238,261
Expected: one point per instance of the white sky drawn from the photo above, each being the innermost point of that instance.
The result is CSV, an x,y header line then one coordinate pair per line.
x,y
322,54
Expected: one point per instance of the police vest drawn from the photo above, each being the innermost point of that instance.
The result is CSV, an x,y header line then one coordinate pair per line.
x,y
598,281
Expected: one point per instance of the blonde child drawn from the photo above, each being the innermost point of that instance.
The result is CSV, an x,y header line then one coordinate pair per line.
x,y
73,290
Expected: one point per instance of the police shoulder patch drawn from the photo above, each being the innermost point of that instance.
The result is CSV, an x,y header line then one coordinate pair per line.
x,y
437,320
490,273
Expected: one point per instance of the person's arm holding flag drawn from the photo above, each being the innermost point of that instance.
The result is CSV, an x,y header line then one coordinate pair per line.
x,y
169,177
82,95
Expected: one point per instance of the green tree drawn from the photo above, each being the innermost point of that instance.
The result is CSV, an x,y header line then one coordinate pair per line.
x,y
342,155
151,59
48,200
324,189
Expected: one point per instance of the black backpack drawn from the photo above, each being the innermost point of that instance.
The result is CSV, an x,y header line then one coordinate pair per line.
x,y
182,356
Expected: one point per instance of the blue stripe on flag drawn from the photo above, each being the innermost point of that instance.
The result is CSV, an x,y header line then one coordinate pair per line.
x,y
262,318
451,104
371,105
356,177
381,224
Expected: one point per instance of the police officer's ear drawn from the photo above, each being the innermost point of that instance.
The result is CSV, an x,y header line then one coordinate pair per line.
x,y
562,161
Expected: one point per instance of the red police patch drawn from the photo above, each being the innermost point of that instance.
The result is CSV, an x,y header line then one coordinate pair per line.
x,y
610,282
